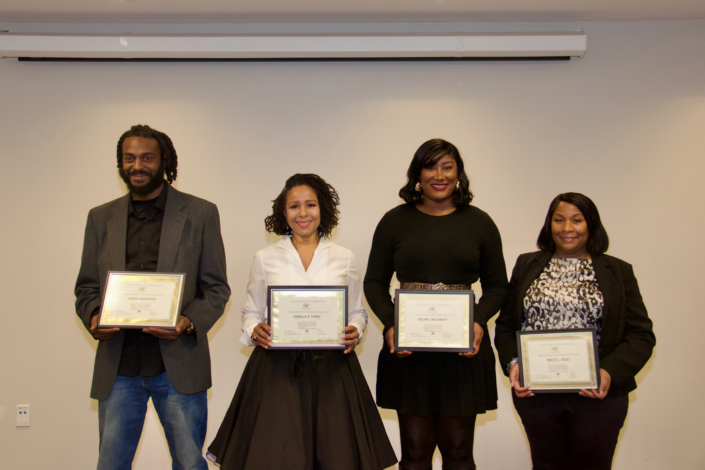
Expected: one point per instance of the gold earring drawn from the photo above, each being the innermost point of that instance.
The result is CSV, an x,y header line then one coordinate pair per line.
x,y
418,187
457,184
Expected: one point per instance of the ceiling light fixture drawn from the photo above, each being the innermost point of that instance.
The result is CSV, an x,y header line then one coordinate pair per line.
x,y
460,46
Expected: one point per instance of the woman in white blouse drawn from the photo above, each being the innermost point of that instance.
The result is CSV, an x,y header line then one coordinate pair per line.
x,y
296,409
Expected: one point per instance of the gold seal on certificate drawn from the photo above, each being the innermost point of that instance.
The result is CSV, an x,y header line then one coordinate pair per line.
x,y
307,317
558,360
142,300
433,320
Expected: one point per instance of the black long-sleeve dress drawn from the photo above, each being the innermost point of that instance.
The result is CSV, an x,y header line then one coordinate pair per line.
x,y
458,248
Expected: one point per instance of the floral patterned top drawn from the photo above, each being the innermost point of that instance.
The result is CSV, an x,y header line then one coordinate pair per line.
x,y
565,295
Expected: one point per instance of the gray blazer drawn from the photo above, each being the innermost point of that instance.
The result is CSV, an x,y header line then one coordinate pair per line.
x,y
190,243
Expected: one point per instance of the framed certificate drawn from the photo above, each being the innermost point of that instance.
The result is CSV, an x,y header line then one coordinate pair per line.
x,y
558,360
142,300
307,317
434,320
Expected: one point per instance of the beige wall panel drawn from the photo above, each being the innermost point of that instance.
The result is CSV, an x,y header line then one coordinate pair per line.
x,y
624,125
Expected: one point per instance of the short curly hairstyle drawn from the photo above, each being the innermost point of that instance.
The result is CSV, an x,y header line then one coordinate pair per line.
x,y
598,240
429,154
169,161
328,202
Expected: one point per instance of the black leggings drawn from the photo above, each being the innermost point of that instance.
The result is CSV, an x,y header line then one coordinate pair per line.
x,y
421,434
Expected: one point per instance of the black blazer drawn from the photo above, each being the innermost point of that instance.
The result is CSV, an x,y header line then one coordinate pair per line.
x,y
191,244
627,338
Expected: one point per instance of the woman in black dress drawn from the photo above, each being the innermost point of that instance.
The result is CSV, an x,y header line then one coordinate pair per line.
x,y
437,237
571,283
295,409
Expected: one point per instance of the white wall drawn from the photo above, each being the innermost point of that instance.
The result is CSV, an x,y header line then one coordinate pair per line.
x,y
624,125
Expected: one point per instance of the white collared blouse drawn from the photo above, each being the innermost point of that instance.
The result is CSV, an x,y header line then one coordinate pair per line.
x,y
280,265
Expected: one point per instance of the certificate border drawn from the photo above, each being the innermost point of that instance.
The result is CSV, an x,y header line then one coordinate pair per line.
x,y
558,387
323,344
433,346
105,320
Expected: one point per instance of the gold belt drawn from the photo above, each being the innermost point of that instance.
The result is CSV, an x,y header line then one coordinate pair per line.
x,y
439,286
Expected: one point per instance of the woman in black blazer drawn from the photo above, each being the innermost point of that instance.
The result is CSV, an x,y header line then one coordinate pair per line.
x,y
571,283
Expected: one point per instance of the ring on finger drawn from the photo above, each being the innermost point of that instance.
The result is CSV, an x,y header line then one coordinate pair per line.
x,y
254,339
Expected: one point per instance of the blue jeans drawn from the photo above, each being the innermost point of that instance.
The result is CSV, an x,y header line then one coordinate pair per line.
x,y
121,418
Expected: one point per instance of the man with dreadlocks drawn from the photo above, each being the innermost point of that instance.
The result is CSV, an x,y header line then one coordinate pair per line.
x,y
159,229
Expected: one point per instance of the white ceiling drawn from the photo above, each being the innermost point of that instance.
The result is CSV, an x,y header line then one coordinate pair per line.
x,y
344,11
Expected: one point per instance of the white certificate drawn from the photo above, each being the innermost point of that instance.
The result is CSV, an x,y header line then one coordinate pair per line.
x,y
141,300
307,317
558,360
433,320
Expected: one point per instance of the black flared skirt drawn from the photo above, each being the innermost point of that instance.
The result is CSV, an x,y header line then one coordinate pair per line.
x,y
325,418
438,383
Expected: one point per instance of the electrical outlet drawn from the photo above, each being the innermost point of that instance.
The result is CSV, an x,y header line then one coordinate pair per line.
x,y
22,416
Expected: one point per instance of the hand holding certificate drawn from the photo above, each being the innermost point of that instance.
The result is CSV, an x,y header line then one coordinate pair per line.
x,y
142,300
428,320
307,317
558,360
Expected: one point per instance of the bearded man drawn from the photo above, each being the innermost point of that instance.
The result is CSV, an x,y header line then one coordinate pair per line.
x,y
154,228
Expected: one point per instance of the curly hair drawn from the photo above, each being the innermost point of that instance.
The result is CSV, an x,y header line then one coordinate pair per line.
x,y
429,154
169,161
598,241
328,202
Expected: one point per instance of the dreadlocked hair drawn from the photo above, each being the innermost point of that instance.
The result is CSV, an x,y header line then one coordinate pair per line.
x,y
328,201
169,160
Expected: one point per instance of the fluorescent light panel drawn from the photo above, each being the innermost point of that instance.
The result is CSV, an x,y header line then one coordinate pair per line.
x,y
294,46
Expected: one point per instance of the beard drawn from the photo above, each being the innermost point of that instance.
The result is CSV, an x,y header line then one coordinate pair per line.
x,y
154,182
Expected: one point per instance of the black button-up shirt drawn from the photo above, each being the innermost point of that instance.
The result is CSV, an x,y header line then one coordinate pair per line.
x,y
140,351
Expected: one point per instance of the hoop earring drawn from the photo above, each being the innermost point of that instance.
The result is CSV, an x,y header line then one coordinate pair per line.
x,y
418,187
